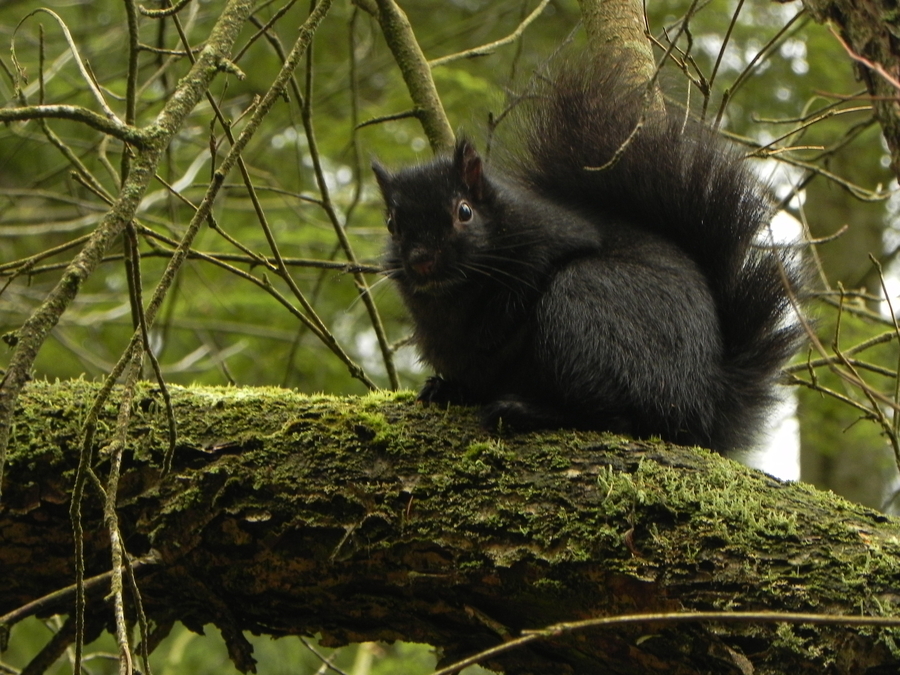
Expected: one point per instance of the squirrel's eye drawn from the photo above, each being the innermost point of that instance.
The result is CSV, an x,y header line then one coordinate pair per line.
x,y
464,212
389,221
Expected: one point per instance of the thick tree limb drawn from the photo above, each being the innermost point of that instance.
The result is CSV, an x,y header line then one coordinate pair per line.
x,y
375,518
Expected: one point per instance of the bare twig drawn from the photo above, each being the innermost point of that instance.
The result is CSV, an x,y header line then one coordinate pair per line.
x,y
491,47
877,67
748,71
112,127
166,11
85,73
894,424
670,618
305,97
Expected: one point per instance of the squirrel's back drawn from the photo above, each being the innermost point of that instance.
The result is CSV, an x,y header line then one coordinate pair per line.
x,y
583,140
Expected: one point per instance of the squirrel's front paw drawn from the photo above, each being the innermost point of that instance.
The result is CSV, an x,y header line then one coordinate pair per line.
x,y
439,390
514,413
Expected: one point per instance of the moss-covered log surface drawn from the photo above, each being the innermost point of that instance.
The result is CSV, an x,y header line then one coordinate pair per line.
x,y
374,518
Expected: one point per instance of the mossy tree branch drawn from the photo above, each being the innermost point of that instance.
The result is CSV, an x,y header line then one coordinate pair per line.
x,y
374,518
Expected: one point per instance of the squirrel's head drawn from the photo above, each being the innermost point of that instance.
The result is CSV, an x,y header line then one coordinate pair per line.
x,y
437,215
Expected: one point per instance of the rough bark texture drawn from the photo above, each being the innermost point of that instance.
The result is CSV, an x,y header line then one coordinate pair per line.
x,y
871,28
374,518
618,25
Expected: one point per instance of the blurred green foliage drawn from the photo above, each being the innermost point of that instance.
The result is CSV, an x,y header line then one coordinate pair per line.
x,y
186,652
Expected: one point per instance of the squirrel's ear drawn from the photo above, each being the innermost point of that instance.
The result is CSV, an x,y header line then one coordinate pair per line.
x,y
467,163
383,177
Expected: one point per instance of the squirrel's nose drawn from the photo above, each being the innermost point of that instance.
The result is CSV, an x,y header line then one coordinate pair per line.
x,y
422,260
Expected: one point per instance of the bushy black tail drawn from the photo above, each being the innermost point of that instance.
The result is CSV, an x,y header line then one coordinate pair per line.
x,y
681,181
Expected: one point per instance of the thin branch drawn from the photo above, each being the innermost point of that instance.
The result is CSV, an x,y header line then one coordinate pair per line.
x,y
650,92
95,90
290,63
859,192
341,232
881,339
250,259
894,423
154,362
805,124
263,29
37,327
405,115
746,72
35,330
112,128
143,624
168,52
53,602
166,11
877,67
671,618
52,650
725,40
262,283
328,206
816,386
326,660
25,264
489,48
134,50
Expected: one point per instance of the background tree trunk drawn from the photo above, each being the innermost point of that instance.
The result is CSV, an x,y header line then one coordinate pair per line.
x,y
860,467
869,29
377,519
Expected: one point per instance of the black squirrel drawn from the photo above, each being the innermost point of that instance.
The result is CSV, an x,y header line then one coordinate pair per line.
x,y
555,292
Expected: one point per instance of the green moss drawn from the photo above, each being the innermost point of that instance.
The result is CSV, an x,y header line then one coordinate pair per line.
x,y
788,637
552,585
475,450
645,511
490,450
381,430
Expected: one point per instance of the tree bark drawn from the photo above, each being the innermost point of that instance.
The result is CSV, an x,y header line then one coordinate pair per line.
x,y
869,29
862,469
619,26
401,40
374,518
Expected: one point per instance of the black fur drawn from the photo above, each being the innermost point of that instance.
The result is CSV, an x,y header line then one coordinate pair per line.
x,y
629,299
